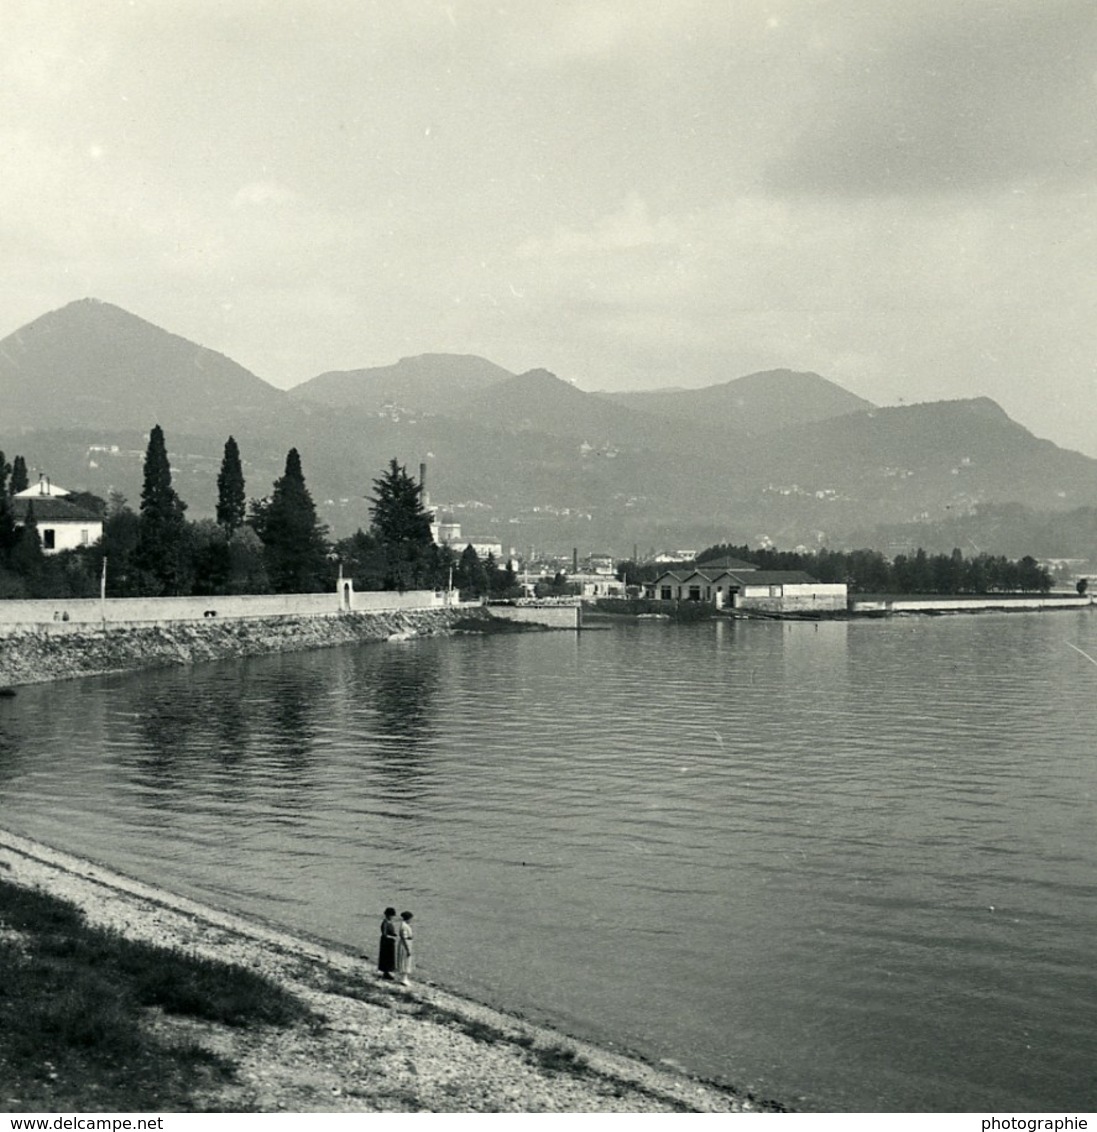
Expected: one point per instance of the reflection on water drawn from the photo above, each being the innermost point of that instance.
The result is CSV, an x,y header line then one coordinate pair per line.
x,y
400,697
847,862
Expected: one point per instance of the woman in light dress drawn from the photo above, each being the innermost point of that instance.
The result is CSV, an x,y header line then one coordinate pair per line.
x,y
405,951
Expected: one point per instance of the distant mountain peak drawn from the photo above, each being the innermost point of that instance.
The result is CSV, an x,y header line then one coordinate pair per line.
x,y
984,407
543,377
420,382
96,307
416,361
754,404
92,363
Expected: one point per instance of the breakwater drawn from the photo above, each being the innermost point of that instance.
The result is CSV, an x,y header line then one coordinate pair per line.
x,y
58,651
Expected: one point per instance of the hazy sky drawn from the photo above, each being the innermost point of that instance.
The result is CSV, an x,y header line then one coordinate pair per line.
x,y
897,194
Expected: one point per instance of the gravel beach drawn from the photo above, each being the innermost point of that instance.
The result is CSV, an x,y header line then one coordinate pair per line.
x,y
416,1048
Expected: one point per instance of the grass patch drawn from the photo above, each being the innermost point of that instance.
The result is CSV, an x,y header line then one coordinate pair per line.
x,y
552,1059
363,989
73,1000
478,1031
559,1059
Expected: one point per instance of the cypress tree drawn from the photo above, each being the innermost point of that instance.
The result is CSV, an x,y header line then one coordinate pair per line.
x,y
8,533
19,479
26,555
231,503
161,552
295,542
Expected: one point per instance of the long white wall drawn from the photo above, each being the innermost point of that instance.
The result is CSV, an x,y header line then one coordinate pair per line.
x,y
794,597
947,605
158,610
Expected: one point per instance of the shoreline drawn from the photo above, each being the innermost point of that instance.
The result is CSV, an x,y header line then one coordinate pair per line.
x,y
41,654
381,1048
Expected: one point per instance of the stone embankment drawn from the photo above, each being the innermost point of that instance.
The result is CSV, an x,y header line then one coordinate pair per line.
x,y
43,653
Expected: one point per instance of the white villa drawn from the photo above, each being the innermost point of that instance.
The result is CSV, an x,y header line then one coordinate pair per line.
x,y
61,525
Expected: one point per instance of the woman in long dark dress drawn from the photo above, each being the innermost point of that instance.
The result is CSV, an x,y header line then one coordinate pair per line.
x,y
386,952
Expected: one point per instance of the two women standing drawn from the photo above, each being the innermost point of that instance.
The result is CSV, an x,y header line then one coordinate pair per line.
x,y
396,950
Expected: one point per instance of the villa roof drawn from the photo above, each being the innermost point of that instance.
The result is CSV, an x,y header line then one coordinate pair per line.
x,y
710,575
44,487
51,509
774,578
749,577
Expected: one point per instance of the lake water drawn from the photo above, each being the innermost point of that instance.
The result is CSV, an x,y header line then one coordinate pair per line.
x,y
846,865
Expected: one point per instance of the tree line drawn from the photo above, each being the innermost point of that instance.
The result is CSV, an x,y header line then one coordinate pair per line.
x,y
273,544
870,571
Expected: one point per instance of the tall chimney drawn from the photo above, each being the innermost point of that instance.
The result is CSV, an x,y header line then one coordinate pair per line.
x,y
425,499
575,560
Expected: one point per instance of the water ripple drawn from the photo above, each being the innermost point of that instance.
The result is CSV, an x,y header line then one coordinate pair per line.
x,y
836,861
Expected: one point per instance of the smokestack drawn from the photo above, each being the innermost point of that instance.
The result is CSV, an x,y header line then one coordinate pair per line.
x,y
423,485
575,560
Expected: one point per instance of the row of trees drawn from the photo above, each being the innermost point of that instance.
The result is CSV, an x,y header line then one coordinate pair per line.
x,y
275,544
869,571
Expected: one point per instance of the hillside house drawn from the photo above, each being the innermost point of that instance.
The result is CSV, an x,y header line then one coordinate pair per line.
x,y
61,525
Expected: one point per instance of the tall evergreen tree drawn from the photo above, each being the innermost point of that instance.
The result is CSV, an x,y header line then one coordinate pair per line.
x,y
231,502
7,517
119,546
362,557
470,576
26,555
402,527
295,542
161,551
19,478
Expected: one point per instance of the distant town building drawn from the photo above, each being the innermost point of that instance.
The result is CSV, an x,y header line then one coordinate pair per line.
x,y
775,591
482,546
602,564
446,531
594,585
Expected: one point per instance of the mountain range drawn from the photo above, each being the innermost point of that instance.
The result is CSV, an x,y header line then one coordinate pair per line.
x,y
527,459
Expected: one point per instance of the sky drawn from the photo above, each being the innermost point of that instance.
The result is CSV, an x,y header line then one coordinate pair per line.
x,y
633,194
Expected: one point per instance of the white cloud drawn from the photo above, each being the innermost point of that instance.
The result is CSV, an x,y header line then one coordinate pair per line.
x,y
263,194
630,227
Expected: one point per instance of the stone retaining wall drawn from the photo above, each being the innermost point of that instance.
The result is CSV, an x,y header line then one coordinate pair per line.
x,y
33,654
551,616
131,610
